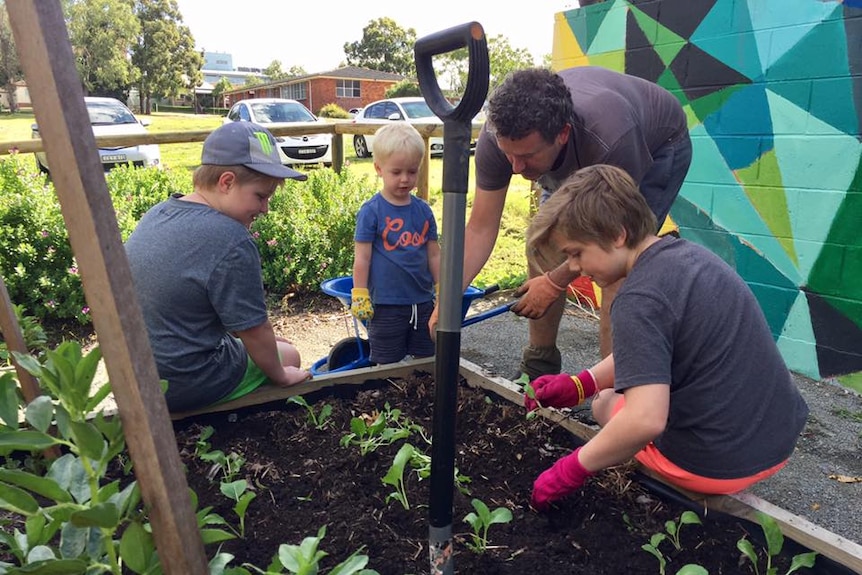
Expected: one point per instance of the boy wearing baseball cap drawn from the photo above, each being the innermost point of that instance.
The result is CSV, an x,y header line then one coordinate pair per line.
x,y
197,275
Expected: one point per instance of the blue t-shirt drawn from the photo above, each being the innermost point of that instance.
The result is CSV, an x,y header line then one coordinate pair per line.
x,y
399,236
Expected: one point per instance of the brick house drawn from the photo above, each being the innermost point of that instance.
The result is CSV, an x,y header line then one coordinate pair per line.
x,y
349,87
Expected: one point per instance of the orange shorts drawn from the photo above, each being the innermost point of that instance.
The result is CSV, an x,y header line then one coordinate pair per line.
x,y
651,458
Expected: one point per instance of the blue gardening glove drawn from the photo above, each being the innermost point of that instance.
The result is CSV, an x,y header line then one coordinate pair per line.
x,y
565,477
561,390
537,295
360,304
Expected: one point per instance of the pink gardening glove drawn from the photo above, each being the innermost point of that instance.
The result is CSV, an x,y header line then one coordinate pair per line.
x,y
566,476
561,390
537,295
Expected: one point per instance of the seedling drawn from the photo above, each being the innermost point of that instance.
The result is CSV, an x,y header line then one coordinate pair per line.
x,y
304,559
319,420
387,428
229,465
238,492
395,475
531,393
774,543
481,521
673,529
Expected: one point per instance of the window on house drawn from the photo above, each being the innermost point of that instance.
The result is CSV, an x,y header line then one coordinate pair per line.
x,y
347,89
298,91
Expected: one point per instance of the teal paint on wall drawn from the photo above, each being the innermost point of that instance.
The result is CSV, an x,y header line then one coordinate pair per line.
x,y
774,187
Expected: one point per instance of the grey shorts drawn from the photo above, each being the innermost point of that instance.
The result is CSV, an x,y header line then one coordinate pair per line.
x,y
397,331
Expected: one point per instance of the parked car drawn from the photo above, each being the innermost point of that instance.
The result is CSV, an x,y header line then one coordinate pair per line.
x,y
411,109
110,117
278,112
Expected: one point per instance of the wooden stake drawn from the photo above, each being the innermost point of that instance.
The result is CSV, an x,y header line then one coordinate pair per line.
x,y
58,101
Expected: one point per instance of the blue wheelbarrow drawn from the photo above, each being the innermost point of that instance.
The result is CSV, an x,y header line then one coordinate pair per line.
x,y
354,352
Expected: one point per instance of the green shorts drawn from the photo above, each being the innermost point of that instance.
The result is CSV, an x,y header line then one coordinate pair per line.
x,y
253,378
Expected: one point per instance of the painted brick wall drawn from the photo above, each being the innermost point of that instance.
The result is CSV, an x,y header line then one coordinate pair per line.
x,y
772,93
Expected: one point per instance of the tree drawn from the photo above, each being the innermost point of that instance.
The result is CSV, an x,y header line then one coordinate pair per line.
x,y
10,67
295,71
402,89
385,46
274,71
165,53
102,33
252,81
222,86
503,58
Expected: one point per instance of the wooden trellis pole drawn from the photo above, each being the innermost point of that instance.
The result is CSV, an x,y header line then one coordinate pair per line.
x,y
58,102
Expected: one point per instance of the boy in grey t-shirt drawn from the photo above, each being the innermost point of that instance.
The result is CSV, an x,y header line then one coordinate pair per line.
x,y
197,275
695,389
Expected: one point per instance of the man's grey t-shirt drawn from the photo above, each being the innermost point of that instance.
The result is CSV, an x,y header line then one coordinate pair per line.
x,y
197,276
621,120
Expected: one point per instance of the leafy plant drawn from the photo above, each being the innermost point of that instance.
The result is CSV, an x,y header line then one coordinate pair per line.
x,y
319,420
32,333
238,492
673,530
774,544
481,520
304,559
395,475
386,428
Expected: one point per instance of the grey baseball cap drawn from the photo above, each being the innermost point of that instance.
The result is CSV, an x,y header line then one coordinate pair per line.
x,y
246,144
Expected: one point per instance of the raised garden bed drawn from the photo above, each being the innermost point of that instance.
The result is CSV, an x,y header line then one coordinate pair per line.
x,y
305,477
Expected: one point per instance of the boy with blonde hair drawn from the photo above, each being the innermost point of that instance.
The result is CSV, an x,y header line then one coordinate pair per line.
x,y
396,255
695,388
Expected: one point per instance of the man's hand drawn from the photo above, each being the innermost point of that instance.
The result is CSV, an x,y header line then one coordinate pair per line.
x,y
537,295
565,477
360,304
561,390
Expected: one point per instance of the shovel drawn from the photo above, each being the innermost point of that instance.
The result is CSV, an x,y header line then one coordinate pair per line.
x,y
457,131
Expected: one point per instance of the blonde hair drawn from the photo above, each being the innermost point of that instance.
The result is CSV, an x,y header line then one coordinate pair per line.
x,y
397,137
596,204
206,175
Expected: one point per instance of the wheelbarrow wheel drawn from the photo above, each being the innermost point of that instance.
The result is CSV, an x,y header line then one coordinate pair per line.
x,y
348,351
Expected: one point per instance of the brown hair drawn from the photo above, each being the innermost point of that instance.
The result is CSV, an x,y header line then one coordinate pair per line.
x,y
595,204
206,176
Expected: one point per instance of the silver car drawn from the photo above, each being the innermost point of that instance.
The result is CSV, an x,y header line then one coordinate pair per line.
x,y
110,117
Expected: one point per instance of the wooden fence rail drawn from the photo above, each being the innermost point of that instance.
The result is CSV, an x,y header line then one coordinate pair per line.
x,y
338,130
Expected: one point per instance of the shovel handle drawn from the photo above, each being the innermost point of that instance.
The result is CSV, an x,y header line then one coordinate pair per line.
x,y
471,35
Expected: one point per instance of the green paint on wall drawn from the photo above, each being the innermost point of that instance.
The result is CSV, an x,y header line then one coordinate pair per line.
x,y
611,60
709,104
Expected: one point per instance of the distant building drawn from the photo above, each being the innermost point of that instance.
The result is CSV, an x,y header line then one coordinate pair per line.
x,y
349,87
218,65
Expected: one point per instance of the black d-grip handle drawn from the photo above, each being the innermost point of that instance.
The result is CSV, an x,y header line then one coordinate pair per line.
x,y
471,35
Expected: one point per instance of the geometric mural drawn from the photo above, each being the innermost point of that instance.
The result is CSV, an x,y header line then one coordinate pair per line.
x,y
773,95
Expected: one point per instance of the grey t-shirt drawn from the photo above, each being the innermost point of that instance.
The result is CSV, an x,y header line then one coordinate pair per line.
x,y
197,276
683,317
620,120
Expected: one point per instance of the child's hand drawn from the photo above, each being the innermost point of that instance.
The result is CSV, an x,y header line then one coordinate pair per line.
x,y
294,375
561,390
565,477
360,305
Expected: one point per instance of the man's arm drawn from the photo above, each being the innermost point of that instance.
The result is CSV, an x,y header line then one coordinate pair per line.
x,y
480,235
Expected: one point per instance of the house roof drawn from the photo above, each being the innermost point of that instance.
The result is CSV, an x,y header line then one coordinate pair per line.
x,y
345,72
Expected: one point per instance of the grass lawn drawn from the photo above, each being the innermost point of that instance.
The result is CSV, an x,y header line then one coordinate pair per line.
x,y
507,263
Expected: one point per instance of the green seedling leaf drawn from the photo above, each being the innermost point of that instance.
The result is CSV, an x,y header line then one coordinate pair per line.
x,y
9,401
25,441
37,484
210,536
689,518
747,549
102,515
774,537
136,547
500,515
17,500
692,569
234,489
89,440
802,560
40,413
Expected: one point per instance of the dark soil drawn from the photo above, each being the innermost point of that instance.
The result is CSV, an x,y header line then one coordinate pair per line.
x,y
305,479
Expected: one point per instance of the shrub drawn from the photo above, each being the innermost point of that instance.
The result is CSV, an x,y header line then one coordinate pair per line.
x,y
307,237
333,111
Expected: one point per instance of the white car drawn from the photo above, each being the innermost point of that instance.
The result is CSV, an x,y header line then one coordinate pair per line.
x,y
411,109
278,112
110,117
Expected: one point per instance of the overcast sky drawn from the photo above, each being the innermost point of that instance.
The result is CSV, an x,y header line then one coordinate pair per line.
x,y
312,34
